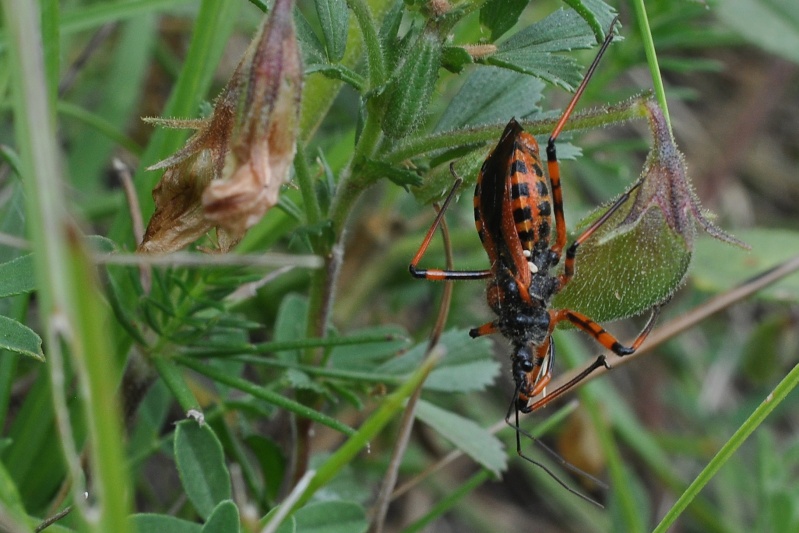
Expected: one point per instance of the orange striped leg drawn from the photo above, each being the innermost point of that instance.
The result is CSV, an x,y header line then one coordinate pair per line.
x,y
605,339
486,329
552,158
438,274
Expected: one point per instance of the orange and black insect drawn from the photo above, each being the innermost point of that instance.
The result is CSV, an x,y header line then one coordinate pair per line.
x,y
514,209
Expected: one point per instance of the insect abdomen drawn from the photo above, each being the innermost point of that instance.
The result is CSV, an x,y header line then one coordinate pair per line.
x,y
529,195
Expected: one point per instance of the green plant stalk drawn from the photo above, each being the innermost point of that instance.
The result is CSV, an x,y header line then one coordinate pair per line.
x,y
173,379
591,119
68,299
264,394
651,57
352,184
282,346
337,71
51,44
449,501
330,373
323,281
759,415
99,379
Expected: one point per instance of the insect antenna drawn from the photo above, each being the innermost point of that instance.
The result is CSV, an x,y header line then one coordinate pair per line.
x,y
563,462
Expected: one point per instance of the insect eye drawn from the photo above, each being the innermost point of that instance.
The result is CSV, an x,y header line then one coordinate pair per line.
x,y
527,366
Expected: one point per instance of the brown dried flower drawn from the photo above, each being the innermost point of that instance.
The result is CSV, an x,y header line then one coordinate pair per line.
x,y
230,171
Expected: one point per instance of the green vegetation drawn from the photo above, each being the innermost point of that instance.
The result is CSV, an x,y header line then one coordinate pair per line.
x,y
290,385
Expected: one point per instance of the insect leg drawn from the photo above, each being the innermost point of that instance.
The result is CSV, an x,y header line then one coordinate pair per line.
x,y
571,253
552,159
605,339
438,274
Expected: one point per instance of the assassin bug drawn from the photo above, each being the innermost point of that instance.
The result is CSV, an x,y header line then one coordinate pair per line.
x,y
514,206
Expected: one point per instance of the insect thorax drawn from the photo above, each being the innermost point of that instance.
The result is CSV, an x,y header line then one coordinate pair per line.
x,y
522,317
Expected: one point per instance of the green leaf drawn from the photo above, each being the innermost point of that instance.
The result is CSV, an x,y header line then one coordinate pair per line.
x,y
16,276
532,50
311,49
772,25
338,71
201,465
11,157
389,29
475,441
500,15
596,13
327,517
334,18
468,365
223,519
410,91
718,267
159,523
19,338
492,95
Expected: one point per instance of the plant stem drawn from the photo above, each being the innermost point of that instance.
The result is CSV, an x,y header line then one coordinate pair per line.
x,y
651,57
68,299
591,119
759,415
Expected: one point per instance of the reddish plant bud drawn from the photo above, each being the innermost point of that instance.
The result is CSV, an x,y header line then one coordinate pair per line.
x,y
641,254
230,171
